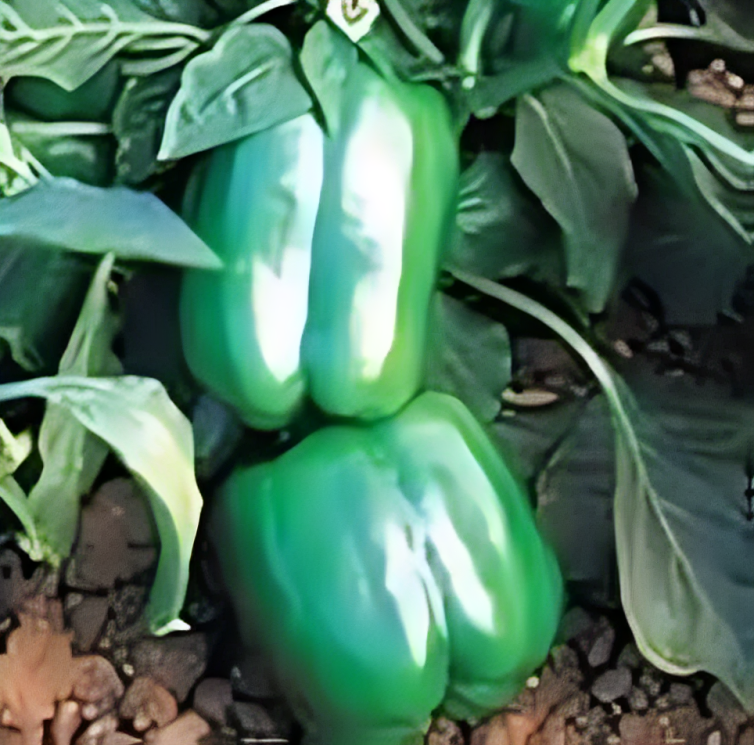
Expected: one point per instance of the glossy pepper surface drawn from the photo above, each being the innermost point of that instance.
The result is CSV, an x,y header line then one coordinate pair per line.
x,y
331,247
389,569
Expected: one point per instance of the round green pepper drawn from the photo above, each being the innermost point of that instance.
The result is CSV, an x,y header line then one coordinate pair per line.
x,y
331,249
389,569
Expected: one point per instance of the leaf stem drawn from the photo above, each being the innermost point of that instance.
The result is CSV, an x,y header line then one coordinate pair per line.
x,y
259,10
600,369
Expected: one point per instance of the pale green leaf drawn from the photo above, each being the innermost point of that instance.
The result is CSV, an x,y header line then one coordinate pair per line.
x,y
140,423
245,84
326,58
14,449
71,455
61,213
69,41
575,159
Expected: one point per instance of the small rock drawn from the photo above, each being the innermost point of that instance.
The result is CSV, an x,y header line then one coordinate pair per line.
x,y
710,87
212,698
444,732
188,729
651,681
552,732
726,709
252,720
176,662
638,700
65,722
596,727
492,732
148,703
96,685
120,738
640,730
116,538
565,663
612,684
680,694
715,738
683,724
630,656
575,622
251,678
127,604
87,619
602,647
576,705
10,736
13,586
98,730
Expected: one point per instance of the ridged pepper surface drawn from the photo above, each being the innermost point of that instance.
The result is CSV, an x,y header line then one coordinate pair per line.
x,y
331,248
389,569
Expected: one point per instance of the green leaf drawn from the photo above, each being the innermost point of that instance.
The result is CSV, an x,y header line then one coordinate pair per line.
x,y
735,206
326,58
92,101
69,41
14,449
80,150
576,161
503,231
37,332
15,498
656,106
529,436
63,213
137,419
682,249
575,494
469,357
72,457
245,84
683,532
139,123
412,30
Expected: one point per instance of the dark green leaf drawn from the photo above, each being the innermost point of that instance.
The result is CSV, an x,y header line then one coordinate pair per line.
x,y
682,249
470,357
245,84
193,12
735,206
69,41
326,58
91,101
139,122
575,505
528,437
683,529
62,151
71,454
503,231
576,160
65,214
36,332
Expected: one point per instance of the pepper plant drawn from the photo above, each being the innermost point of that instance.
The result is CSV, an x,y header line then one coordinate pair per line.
x,y
592,185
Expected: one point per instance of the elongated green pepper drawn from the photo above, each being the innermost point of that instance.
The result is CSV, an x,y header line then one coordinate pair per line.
x,y
389,569
331,247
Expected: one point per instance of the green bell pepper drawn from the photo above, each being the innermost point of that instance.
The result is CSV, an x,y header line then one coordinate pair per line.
x,y
331,249
389,569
